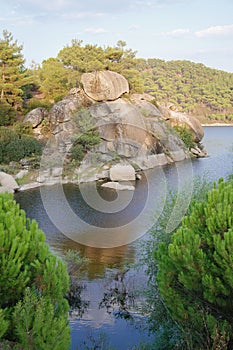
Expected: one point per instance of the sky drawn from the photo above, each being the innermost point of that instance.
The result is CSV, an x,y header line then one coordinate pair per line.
x,y
196,30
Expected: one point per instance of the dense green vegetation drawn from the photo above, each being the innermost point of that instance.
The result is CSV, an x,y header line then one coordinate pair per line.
x,y
191,87
13,75
191,285
195,88
33,283
16,145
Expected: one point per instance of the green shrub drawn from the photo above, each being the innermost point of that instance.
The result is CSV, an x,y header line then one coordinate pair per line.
x,y
87,137
20,148
35,103
23,128
186,135
77,152
7,135
195,275
33,283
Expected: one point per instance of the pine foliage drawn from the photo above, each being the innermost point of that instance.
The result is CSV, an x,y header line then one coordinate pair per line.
x,y
13,76
33,283
196,271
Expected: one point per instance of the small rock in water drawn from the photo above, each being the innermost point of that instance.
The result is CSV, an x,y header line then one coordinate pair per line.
x,y
118,186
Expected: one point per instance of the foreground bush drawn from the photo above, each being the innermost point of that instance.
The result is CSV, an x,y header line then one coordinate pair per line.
x,y
195,272
33,282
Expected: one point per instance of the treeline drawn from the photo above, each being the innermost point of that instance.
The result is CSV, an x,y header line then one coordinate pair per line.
x,y
192,87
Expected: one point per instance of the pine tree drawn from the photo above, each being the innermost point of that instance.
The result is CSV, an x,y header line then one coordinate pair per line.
x,y
195,275
33,283
12,73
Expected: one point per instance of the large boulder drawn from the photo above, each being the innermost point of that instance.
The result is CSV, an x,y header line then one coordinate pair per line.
x,y
177,118
8,183
181,119
104,85
144,103
36,116
122,172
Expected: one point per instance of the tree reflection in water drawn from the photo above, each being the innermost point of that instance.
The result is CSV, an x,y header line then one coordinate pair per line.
x,y
119,297
77,305
75,263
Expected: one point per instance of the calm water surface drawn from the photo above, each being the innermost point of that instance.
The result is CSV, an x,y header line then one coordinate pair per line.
x,y
104,317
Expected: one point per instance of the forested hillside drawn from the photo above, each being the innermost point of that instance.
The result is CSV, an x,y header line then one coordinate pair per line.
x,y
194,87
191,87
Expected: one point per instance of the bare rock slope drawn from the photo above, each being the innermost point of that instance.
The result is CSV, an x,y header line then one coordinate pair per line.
x,y
132,128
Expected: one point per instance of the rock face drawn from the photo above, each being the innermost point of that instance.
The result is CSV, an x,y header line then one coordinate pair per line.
x,y
182,119
144,103
104,85
8,183
36,116
133,131
121,172
128,134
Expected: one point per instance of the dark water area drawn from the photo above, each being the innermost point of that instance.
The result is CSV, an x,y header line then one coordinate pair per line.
x,y
109,229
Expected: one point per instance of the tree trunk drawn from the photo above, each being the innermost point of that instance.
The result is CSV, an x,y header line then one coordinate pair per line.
x,y
3,79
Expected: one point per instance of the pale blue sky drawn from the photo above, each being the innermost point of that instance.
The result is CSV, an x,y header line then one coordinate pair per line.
x,y
196,30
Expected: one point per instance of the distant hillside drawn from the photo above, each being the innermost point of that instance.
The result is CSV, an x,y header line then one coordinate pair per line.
x,y
195,88
190,87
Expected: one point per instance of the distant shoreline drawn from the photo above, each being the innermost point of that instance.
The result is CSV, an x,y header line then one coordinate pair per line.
x,y
216,124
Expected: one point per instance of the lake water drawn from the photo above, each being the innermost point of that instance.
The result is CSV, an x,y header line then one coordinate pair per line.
x,y
109,229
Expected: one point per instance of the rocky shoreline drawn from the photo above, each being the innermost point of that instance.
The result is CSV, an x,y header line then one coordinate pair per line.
x,y
134,134
216,124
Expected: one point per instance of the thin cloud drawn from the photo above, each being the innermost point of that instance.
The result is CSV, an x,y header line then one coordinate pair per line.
x,y
156,3
225,30
74,5
19,20
177,32
45,5
81,15
95,30
91,5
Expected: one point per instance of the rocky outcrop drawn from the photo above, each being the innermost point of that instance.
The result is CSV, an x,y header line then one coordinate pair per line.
x,y
8,183
145,104
104,85
36,116
133,131
177,118
128,134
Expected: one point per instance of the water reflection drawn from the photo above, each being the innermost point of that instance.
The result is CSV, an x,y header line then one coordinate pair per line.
x,y
119,297
106,288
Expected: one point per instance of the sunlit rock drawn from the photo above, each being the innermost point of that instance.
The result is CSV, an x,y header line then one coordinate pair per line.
x,y
121,172
104,85
8,182
118,186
